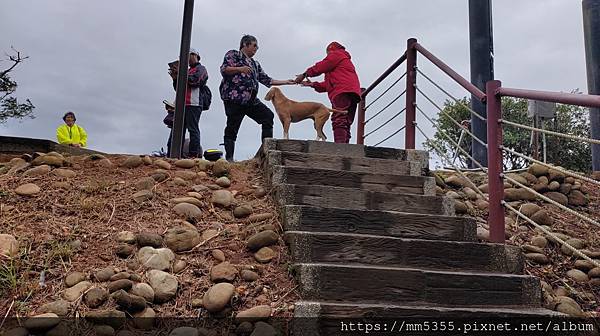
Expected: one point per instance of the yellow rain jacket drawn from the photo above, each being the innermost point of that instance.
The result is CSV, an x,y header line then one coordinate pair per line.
x,y
71,135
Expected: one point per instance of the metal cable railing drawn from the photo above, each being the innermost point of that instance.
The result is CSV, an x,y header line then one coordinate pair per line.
x,y
562,170
451,118
456,100
386,91
566,136
458,147
551,201
458,170
550,234
385,107
390,136
385,123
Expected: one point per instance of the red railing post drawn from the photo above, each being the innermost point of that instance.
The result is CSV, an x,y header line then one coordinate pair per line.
x,y
360,127
411,93
495,182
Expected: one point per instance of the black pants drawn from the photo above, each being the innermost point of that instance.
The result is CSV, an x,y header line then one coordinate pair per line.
x,y
191,124
257,111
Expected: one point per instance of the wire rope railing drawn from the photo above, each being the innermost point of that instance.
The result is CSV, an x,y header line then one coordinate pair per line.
x,y
385,123
385,107
386,91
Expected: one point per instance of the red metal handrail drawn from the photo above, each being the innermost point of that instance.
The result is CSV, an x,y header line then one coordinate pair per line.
x,y
555,97
453,74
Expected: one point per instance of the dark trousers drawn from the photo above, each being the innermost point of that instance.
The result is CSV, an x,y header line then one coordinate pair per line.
x,y
257,111
191,124
342,122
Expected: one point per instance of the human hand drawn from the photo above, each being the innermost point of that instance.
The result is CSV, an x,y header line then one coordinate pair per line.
x,y
76,145
299,78
306,83
245,70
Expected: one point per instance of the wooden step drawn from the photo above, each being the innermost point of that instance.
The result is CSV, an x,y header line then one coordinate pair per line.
x,y
347,248
346,150
378,222
351,198
418,185
355,164
331,319
389,285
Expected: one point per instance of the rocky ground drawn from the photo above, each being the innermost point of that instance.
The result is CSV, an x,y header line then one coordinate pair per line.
x,y
137,239
570,284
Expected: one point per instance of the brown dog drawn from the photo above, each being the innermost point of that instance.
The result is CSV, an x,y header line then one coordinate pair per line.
x,y
290,111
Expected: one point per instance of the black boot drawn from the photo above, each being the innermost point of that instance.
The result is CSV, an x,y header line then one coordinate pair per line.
x,y
229,149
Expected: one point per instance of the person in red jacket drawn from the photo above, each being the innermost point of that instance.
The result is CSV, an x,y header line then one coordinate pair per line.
x,y
341,84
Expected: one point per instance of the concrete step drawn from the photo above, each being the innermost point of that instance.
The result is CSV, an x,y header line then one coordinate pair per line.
x,y
357,199
418,185
357,249
390,285
346,150
378,222
314,318
355,164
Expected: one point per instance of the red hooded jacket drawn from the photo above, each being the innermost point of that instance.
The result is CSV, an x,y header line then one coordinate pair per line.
x,y
340,74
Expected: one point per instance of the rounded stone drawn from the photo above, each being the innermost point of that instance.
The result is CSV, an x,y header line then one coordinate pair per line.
x,y
124,250
143,290
189,211
104,274
179,266
218,255
60,308
104,330
538,258
217,297
249,276
578,275
258,313
162,164
182,238
74,278
95,297
74,293
123,284
185,163
262,239
539,241
223,272
142,196
164,285
9,246
65,173
157,259
27,189
242,211
220,168
42,322
222,198
264,255
144,183
37,171
132,162
223,182
149,239
145,319
126,237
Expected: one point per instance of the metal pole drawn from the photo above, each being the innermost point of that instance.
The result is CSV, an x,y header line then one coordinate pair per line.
x,y
411,93
591,29
360,127
482,68
535,146
184,55
495,183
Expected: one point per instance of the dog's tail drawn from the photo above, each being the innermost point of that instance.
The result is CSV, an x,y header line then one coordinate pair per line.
x,y
336,111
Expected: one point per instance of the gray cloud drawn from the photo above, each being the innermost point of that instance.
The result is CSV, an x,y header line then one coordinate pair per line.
x,y
106,60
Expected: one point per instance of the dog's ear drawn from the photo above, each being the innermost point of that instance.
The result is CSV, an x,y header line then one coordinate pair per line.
x,y
269,95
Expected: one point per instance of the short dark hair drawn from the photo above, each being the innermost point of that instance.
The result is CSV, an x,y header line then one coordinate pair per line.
x,y
247,39
69,114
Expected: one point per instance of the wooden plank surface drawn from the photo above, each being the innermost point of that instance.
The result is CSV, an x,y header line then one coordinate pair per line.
x,y
359,284
403,184
340,248
350,198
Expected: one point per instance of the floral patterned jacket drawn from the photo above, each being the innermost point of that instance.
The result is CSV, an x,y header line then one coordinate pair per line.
x,y
241,88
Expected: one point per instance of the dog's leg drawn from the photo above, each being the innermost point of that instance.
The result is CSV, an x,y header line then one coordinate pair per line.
x,y
286,128
321,118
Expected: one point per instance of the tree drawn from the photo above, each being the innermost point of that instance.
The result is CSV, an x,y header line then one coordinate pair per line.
x,y
570,154
9,105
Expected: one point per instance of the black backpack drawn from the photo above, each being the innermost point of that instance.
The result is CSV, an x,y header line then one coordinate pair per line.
x,y
206,96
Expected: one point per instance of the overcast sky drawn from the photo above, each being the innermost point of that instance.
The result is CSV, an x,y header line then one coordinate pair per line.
x,y
107,60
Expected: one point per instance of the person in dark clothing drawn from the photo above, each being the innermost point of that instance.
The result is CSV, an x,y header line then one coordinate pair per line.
x,y
239,89
197,77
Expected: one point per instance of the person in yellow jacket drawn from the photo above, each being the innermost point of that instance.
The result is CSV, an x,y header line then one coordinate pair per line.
x,y
71,134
